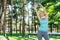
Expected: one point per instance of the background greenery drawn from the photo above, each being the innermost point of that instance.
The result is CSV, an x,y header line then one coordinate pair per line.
x,y
14,21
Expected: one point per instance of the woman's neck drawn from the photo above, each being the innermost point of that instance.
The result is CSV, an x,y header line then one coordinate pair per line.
x,y
42,17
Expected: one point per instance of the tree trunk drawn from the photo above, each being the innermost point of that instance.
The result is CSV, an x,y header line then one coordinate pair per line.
x,y
23,26
11,18
0,17
20,27
57,28
16,22
0,24
4,24
51,28
32,21
10,25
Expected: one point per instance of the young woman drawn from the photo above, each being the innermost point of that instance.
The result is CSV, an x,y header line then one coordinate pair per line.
x,y
43,19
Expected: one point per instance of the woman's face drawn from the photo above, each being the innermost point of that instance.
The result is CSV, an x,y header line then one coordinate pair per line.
x,y
42,13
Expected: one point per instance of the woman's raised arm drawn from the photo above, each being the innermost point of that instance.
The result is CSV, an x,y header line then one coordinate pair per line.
x,y
43,9
36,11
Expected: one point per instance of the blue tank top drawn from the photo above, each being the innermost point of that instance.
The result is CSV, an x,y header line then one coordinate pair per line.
x,y
43,25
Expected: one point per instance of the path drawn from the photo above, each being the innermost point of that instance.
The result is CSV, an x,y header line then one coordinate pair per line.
x,y
2,38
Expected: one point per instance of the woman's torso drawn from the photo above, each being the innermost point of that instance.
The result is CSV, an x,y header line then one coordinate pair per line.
x,y
43,24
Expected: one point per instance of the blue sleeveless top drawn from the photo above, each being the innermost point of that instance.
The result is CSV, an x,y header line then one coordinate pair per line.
x,y
43,25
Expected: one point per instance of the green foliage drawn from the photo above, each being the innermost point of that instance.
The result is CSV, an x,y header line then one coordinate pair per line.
x,y
52,8
8,1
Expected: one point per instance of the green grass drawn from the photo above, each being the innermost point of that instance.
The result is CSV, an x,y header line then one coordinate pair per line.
x,y
26,37
30,38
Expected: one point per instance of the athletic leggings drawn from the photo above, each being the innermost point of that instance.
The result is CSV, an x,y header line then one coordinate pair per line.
x,y
42,34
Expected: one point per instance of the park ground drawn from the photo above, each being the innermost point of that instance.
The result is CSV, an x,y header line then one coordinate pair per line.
x,y
26,37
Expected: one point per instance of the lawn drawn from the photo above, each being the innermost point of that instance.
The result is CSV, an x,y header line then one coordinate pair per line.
x,y
26,37
31,38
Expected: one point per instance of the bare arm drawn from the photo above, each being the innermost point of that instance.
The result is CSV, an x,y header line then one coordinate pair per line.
x,y
43,9
37,14
36,11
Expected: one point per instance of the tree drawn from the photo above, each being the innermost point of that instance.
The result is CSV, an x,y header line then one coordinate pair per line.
x,y
23,26
4,24
0,15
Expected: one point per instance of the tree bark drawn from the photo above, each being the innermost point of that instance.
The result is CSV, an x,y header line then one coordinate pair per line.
x,y
0,17
4,24
11,17
51,28
23,26
16,22
57,28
